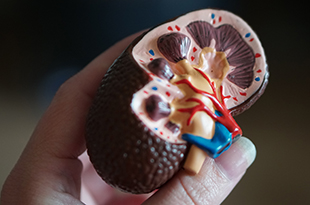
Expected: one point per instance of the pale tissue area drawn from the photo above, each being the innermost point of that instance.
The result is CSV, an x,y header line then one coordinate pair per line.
x,y
38,38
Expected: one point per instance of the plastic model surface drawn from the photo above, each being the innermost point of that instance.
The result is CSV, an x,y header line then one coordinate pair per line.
x,y
167,102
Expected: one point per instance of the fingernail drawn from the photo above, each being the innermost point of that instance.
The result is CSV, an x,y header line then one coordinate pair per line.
x,y
237,158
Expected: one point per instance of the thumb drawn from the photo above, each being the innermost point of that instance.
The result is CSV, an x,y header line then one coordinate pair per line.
x,y
213,183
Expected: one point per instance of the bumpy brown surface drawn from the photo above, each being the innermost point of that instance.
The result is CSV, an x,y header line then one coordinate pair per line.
x,y
125,153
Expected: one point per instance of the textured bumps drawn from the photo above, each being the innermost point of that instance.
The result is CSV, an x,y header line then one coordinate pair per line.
x,y
125,153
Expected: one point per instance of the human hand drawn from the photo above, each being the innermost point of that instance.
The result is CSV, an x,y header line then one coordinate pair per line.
x,y
50,170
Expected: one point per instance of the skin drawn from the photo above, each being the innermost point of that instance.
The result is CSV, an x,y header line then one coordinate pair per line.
x,y
49,170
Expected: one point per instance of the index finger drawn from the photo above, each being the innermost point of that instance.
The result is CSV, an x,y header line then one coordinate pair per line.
x,y
61,130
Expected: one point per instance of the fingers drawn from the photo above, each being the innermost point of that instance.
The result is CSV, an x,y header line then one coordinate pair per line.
x,y
89,78
213,183
61,130
96,191
48,168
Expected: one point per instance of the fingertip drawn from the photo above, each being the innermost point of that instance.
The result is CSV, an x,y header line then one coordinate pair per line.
x,y
213,183
235,161
249,149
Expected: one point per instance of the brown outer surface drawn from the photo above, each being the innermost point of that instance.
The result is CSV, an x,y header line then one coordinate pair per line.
x,y
125,153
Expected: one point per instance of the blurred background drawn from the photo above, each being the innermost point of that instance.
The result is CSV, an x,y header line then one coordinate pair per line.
x,y
42,43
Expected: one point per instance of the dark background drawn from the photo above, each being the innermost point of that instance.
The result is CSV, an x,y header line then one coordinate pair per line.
x,y
42,43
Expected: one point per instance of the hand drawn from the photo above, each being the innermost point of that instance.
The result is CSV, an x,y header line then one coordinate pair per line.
x,y
50,170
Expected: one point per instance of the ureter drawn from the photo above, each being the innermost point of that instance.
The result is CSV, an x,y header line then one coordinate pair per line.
x,y
194,160
201,124
206,77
